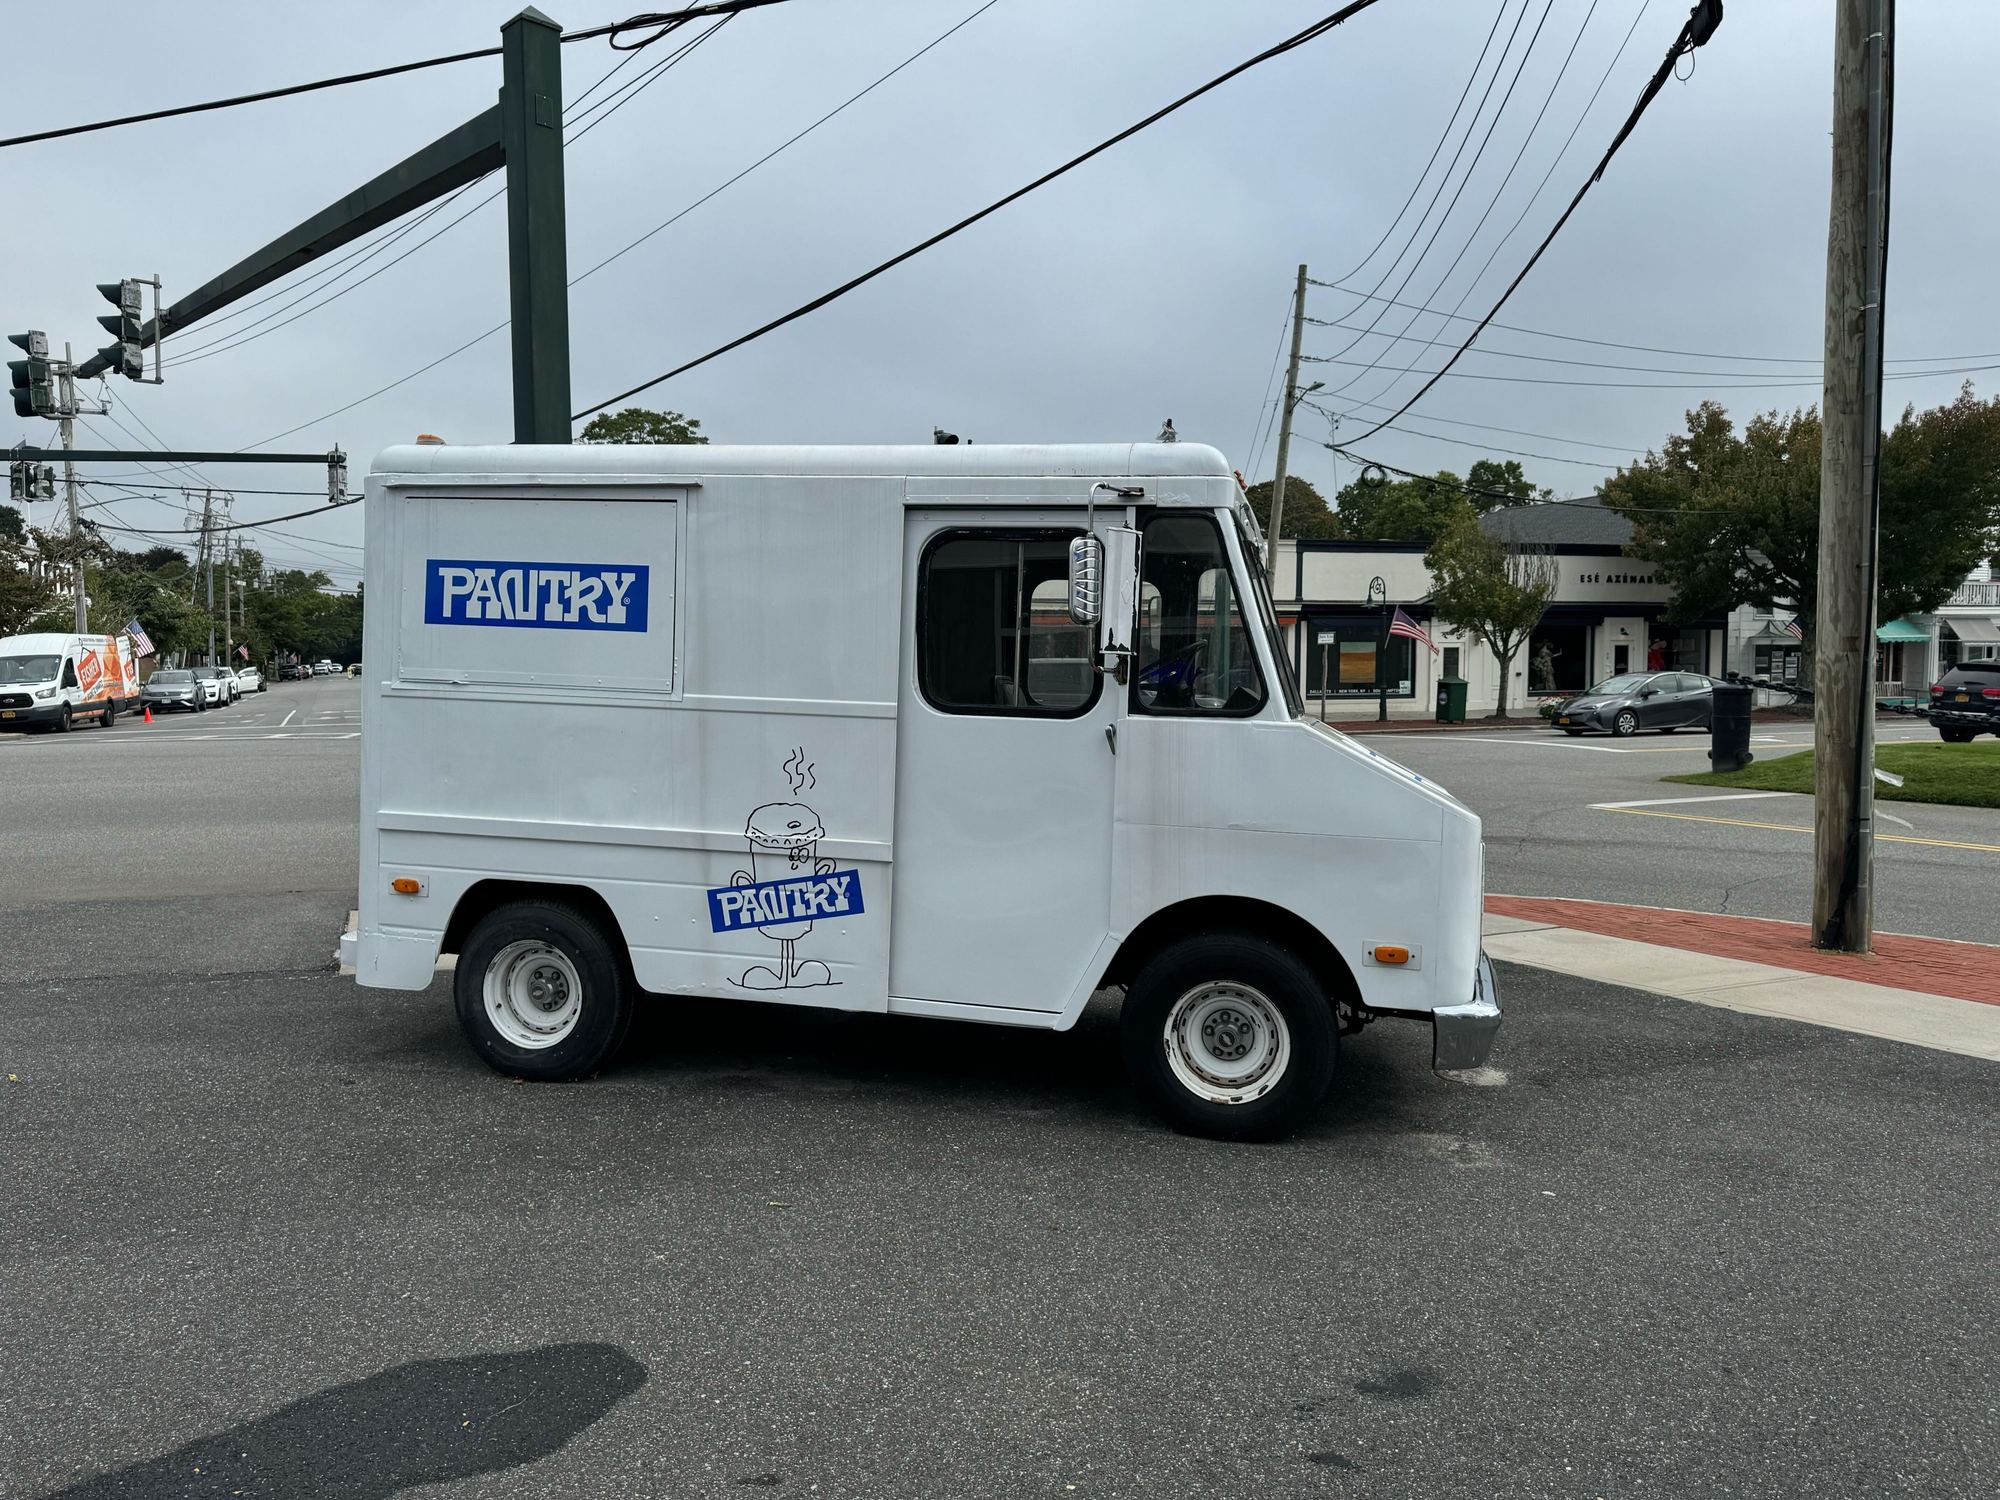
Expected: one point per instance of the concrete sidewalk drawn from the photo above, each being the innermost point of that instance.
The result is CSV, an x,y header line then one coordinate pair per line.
x,y
1927,992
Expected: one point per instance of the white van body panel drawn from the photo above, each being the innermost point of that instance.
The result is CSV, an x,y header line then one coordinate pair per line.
x,y
92,672
765,737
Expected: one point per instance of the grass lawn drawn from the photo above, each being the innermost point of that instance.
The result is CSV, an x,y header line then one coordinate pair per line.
x,y
1962,775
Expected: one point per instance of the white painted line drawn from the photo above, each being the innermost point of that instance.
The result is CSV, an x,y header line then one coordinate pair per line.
x,y
288,718
1666,801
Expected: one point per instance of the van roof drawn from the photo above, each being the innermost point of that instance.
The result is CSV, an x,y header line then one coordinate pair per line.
x,y
676,460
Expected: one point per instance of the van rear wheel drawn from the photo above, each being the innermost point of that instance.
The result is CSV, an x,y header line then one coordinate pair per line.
x,y
542,991
1230,1036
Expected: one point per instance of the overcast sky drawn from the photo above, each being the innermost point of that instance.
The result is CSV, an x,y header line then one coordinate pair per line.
x,y
1152,282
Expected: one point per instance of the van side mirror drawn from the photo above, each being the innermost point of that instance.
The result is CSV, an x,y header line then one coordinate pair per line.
x,y
1121,591
1086,580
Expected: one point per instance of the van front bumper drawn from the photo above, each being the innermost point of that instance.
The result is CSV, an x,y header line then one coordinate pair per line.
x,y
1462,1035
41,713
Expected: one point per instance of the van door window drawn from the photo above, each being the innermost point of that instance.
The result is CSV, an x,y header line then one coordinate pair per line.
x,y
69,674
1195,655
994,634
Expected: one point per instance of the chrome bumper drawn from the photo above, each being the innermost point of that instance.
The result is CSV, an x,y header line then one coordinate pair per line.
x,y
1462,1035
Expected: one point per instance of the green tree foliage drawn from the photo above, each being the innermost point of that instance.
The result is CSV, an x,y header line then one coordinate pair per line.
x,y
1495,484
13,528
1306,514
1733,518
24,593
1490,589
635,424
1379,509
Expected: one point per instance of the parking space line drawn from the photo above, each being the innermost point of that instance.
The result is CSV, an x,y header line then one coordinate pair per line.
x,y
1880,838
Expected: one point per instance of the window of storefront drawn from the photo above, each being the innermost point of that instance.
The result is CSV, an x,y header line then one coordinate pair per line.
x,y
1343,653
1559,658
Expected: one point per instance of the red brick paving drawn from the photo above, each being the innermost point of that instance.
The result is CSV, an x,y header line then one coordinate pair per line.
x,y
1932,966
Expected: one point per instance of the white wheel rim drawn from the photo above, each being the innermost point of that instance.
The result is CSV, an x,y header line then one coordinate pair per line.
x,y
533,994
1227,1043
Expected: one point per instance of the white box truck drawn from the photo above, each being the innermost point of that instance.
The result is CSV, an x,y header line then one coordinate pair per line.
x,y
877,728
53,680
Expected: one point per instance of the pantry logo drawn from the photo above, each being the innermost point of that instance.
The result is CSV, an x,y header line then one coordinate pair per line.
x,y
536,595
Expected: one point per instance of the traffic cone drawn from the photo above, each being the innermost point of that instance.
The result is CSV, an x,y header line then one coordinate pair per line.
x,y
149,715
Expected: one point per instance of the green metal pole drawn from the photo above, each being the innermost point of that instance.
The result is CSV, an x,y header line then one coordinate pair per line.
x,y
538,256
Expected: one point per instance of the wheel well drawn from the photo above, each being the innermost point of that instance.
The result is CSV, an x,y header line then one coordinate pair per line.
x,y
1236,914
486,896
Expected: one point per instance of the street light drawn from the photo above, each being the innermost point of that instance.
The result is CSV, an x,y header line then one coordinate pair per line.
x,y
1378,594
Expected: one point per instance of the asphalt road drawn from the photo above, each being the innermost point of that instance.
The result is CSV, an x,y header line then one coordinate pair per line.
x,y
1540,796
263,1231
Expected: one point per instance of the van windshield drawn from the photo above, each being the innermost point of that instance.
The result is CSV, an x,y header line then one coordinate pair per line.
x,y
1266,611
17,669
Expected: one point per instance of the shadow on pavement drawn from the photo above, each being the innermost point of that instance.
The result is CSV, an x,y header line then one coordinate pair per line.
x,y
427,1422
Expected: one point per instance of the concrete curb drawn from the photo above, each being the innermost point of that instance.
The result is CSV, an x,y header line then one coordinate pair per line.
x,y
1939,1022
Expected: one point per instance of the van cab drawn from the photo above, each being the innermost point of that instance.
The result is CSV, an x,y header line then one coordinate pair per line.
x,y
972,733
52,680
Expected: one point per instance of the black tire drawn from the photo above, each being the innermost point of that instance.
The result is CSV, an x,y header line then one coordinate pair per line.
x,y
109,716
1230,961
604,997
1958,736
1625,723
61,725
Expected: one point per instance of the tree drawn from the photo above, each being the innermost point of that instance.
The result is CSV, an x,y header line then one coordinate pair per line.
x,y
1734,518
1495,590
1494,484
12,527
24,592
635,424
1379,509
1306,514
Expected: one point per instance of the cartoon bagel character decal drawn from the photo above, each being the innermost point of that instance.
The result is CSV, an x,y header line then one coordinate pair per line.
x,y
787,886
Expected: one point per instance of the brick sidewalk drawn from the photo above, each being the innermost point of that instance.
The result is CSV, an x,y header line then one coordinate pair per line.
x,y
1931,966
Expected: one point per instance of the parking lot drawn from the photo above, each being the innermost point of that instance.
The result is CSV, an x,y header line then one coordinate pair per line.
x,y
259,1222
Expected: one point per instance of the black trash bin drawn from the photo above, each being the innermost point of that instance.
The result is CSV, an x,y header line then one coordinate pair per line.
x,y
1451,700
1729,727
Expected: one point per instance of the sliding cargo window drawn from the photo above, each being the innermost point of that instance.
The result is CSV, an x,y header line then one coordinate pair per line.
x,y
538,590
994,634
1195,654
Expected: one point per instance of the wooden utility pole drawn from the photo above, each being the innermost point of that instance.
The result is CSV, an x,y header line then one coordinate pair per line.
x,y
1850,484
1290,398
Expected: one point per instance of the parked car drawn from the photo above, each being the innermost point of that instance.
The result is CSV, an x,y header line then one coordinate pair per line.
x,y
354,670
215,684
250,680
1965,702
294,672
1632,701
324,669
175,687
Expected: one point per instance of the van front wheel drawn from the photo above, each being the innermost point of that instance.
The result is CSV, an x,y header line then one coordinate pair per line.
x,y
1229,1036
542,991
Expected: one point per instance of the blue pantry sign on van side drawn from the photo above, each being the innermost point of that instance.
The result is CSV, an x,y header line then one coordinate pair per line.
x,y
536,595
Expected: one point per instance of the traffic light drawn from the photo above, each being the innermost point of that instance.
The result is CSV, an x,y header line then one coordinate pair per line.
x,y
33,395
19,478
336,477
43,485
127,356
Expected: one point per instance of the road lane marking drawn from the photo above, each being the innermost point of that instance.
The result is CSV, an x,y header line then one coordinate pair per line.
x,y
288,718
1666,801
1880,838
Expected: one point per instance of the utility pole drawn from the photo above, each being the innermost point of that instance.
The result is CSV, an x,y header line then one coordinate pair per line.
x,y
1850,479
1290,399
208,567
81,612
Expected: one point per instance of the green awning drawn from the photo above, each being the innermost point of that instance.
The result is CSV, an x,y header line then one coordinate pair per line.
x,y
1901,630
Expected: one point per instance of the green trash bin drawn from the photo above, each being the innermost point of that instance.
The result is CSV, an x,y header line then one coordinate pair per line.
x,y
1451,700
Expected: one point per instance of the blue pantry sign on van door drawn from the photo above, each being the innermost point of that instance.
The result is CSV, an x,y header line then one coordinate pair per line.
x,y
536,595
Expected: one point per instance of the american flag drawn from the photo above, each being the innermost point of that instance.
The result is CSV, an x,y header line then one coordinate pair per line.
x,y
1402,624
141,642
1791,628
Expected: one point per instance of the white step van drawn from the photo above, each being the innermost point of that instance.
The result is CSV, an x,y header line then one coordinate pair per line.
x,y
963,732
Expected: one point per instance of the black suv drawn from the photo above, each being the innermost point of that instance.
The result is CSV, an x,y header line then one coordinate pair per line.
x,y
1966,701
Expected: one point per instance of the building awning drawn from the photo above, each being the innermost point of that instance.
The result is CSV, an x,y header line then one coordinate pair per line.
x,y
1982,629
1773,635
1901,630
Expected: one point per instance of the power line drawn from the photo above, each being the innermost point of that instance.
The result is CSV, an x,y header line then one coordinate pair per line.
x,y
1773,384
1417,186
1695,32
1255,448
1438,437
1514,502
667,24
1491,203
668,223
1298,39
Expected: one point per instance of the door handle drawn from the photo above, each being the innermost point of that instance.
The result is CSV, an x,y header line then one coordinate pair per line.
x,y
1111,737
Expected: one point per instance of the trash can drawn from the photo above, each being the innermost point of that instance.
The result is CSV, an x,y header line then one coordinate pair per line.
x,y
1729,727
1451,700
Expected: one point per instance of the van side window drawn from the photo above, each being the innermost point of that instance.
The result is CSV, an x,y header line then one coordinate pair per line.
x,y
994,634
1195,655
69,674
